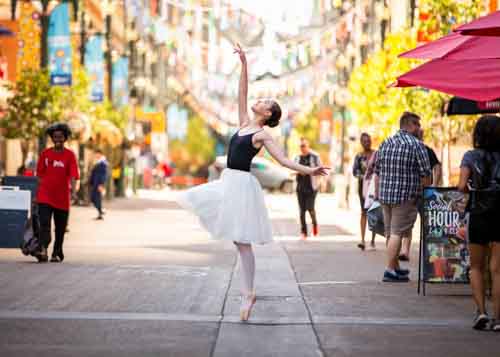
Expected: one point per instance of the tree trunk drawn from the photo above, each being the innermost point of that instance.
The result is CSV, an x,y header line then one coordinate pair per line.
x,y
24,150
44,22
13,6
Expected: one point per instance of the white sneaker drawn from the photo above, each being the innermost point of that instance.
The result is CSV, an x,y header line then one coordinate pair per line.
x,y
481,321
495,325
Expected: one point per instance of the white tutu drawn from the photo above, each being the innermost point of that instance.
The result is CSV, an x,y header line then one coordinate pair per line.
x,y
231,208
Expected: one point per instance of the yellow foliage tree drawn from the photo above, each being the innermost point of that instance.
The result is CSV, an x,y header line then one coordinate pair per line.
x,y
378,107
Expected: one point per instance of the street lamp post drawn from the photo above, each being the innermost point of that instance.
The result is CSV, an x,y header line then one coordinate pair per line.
x,y
341,98
341,101
43,8
83,37
342,140
81,146
342,181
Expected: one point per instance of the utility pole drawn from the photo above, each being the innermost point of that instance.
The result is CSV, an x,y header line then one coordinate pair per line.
x,y
81,146
44,23
109,59
83,37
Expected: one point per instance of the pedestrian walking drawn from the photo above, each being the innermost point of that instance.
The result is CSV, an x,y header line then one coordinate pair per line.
x,y
436,176
359,168
97,182
401,167
307,188
436,167
480,175
232,207
57,167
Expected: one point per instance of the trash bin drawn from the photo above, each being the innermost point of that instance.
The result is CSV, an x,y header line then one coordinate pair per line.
x,y
15,206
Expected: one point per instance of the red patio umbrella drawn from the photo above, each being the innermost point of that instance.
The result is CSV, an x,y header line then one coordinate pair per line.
x,y
462,65
456,46
476,79
488,25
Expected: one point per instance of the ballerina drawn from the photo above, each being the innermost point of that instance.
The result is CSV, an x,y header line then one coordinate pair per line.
x,y
232,207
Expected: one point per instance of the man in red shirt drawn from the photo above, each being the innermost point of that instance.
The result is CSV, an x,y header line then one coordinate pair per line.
x,y
56,168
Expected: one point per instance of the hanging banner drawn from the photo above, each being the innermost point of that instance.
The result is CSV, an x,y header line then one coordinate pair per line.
x,y
120,82
94,64
59,46
9,46
28,54
445,258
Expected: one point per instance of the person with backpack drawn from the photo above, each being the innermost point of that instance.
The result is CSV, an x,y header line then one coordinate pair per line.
x,y
480,175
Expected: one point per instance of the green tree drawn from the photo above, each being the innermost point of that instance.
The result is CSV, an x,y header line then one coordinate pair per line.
x,y
197,150
33,106
75,98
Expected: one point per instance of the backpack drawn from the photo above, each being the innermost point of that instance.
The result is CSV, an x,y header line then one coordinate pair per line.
x,y
485,176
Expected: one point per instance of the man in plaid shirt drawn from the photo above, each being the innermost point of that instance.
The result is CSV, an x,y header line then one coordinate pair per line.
x,y
402,167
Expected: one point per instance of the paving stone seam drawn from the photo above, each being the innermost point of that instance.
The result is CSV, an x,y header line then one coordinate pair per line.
x,y
228,319
390,322
321,351
223,307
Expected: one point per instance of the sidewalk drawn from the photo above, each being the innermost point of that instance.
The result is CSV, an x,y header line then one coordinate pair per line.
x,y
147,281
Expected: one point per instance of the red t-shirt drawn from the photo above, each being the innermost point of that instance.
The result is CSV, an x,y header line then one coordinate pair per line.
x,y
55,170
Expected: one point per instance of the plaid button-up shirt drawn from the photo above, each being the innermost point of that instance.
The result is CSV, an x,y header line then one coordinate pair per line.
x,y
401,162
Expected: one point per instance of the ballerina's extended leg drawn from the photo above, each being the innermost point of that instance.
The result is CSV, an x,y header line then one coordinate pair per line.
x,y
247,267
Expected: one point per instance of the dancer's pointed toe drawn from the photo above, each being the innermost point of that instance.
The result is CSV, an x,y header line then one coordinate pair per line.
x,y
247,302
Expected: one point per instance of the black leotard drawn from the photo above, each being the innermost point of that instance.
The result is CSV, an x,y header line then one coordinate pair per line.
x,y
241,152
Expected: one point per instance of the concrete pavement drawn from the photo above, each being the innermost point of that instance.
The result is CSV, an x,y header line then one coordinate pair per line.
x,y
147,281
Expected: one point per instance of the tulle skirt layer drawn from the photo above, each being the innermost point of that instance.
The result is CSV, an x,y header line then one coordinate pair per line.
x,y
231,208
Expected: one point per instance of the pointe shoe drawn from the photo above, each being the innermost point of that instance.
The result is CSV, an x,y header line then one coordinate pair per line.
x,y
247,302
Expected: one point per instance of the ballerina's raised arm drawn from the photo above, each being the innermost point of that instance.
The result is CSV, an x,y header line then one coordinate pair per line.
x,y
275,151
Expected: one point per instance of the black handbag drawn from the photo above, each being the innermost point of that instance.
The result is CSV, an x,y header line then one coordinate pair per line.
x,y
375,215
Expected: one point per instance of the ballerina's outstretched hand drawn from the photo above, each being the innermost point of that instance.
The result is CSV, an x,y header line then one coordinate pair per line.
x,y
320,171
237,49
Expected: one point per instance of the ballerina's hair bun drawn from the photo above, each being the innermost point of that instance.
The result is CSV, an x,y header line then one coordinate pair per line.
x,y
274,119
